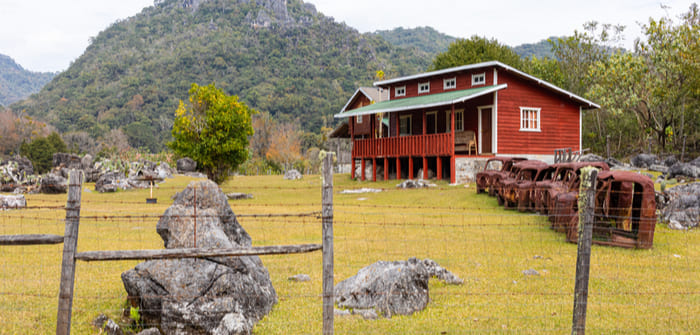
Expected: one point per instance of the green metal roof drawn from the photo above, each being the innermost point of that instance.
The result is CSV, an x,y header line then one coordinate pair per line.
x,y
424,101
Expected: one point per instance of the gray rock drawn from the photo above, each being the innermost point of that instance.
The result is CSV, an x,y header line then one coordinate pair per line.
x,y
682,209
419,183
658,168
591,158
684,170
437,271
12,201
86,162
163,170
218,295
67,161
670,160
531,272
112,182
239,196
644,160
186,165
292,174
107,326
300,278
53,184
149,331
389,287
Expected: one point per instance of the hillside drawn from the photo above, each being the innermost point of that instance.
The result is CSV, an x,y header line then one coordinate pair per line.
x,y
425,39
540,49
17,83
278,56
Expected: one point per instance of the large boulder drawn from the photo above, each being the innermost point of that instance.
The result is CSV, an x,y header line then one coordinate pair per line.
x,y
391,288
53,184
12,201
644,160
67,161
292,174
112,182
683,208
186,164
218,295
684,170
163,170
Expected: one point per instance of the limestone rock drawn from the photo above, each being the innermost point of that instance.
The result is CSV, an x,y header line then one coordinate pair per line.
x,y
221,295
292,174
53,184
186,165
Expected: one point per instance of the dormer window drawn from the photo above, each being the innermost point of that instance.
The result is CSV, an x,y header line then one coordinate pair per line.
x,y
400,91
478,79
424,87
449,83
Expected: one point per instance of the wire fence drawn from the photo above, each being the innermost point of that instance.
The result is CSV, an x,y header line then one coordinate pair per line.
x,y
518,273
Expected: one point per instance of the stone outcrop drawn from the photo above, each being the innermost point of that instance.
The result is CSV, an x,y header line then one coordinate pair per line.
x,y
683,208
222,295
391,288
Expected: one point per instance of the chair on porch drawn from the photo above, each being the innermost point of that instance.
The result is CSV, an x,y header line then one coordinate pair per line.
x,y
465,140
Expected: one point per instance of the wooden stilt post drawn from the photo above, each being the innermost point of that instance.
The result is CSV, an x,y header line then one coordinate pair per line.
x,y
70,243
398,168
374,169
586,214
327,224
410,167
362,172
439,167
425,168
386,168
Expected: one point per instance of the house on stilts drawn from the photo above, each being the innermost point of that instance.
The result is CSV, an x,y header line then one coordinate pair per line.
x,y
443,123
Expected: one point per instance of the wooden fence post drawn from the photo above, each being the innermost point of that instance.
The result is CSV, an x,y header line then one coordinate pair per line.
x,y
327,223
70,242
586,214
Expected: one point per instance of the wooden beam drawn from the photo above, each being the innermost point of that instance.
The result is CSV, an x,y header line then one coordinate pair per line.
x,y
122,255
30,239
65,291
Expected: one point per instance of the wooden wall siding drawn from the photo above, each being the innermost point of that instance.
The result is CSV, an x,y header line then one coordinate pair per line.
x,y
364,127
559,119
464,81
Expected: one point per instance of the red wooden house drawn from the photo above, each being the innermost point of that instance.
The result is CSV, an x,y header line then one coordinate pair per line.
x,y
439,121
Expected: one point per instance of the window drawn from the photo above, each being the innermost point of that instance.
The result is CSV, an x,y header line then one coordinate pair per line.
x,y
400,91
529,119
459,120
424,87
449,83
479,79
431,122
404,125
359,119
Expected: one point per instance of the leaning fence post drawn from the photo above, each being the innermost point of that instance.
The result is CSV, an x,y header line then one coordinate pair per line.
x,y
327,223
586,214
70,242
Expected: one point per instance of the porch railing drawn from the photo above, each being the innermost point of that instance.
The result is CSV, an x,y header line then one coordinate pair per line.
x,y
418,145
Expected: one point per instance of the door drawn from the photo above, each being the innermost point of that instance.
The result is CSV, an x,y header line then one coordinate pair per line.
x,y
431,123
485,126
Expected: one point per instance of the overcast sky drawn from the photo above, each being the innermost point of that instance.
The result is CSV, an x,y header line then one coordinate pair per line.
x,y
47,35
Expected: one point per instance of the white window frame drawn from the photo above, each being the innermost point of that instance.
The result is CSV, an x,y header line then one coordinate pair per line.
x,y
400,91
358,119
452,81
527,122
410,125
459,120
479,79
424,87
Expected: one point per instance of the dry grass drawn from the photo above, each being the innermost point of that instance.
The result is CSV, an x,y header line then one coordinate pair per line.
x,y
631,291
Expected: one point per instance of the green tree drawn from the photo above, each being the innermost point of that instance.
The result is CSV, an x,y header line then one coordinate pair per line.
x,y
657,85
476,50
40,151
212,129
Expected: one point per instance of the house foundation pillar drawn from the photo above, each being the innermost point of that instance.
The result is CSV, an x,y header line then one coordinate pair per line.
x,y
398,168
386,168
374,169
425,168
410,167
362,168
439,167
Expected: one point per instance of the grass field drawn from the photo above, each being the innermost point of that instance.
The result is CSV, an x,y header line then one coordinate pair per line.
x,y
631,291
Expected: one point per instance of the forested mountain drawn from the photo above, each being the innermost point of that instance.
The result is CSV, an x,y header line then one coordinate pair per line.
x,y
540,49
425,39
17,83
278,56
